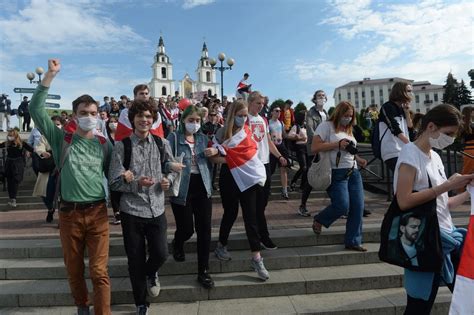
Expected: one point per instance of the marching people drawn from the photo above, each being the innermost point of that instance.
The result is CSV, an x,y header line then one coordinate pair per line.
x,y
15,163
241,185
420,177
315,116
195,190
111,128
142,182
298,135
346,191
83,223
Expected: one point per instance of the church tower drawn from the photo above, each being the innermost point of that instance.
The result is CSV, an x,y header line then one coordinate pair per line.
x,y
162,83
206,76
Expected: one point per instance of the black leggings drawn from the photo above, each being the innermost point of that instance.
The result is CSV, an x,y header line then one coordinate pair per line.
x,y
301,157
231,196
199,206
307,187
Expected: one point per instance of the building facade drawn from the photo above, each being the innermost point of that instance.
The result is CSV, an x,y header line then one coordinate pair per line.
x,y
162,83
368,92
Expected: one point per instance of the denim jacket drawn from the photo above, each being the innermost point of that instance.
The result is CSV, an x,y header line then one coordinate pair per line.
x,y
203,163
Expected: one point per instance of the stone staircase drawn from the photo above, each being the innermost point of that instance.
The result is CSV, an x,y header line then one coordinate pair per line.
x,y
309,274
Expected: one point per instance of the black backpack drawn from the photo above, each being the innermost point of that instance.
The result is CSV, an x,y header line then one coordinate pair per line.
x,y
127,157
376,141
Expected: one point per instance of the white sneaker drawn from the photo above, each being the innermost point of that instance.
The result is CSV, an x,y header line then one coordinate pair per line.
x,y
259,267
153,286
12,203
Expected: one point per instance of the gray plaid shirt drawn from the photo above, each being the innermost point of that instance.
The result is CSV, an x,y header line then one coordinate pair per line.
x,y
145,202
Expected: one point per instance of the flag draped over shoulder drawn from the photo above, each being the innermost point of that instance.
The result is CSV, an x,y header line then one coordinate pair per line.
x,y
463,295
242,160
124,127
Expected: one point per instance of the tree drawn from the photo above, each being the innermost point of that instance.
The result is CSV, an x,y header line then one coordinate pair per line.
x,y
450,95
471,74
464,95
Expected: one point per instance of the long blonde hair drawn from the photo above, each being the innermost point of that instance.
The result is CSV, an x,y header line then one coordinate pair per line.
x,y
236,106
17,141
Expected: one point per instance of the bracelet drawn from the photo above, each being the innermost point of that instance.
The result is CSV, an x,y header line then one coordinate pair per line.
x,y
280,157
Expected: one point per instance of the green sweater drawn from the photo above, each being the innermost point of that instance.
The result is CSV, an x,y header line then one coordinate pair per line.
x,y
82,176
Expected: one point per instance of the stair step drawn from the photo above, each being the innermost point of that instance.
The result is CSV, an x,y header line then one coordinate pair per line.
x,y
376,302
284,258
228,285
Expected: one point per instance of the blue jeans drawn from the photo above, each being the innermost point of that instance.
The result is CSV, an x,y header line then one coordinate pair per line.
x,y
347,197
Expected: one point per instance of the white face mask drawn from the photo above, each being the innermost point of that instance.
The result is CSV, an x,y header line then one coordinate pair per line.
x,y
320,103
113,126
10,138
442,141
192,128
87,123
345,121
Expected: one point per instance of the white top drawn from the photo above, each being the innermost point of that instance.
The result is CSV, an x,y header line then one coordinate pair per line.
x,y
390,145
194,166
327,133
276,131
324,117
260,135
302,133
424,165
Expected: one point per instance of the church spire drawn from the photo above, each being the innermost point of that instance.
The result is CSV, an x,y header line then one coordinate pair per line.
x,y
204,53
161,46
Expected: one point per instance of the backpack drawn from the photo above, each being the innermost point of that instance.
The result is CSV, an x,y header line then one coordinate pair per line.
x,y
127,157
375,139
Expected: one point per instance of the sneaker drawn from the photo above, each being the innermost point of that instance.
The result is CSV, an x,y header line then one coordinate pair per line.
x,y
153,286
178,253
83,310
367,213
259,267
284,195
12,203
117,220
267,244
142,310
49,216
302,211
205,279
221,252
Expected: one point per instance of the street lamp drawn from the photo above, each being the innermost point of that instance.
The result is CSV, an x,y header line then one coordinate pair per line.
x,y
221,68
31,76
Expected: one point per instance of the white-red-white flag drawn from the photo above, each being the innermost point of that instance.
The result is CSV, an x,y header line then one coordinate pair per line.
x,y
242,160
124,127
463,296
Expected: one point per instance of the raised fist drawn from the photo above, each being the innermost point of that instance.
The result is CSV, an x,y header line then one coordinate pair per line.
x,y
54,66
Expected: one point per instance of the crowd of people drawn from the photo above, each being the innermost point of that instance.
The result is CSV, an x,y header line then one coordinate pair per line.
x,y
131,151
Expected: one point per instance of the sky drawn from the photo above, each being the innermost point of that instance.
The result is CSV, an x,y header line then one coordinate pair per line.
x,y
290,48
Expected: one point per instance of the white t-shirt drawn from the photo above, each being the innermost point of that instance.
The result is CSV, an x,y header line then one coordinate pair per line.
x,y
276,131
327,133
424,165
260,135
323,115
194,166
302,133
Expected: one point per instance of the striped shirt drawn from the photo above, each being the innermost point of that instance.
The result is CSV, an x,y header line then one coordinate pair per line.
x,y
144,202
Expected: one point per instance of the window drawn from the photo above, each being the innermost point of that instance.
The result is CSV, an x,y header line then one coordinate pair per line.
x,y
162,59
417,98
339,95
363,103
436,97
207,63
163,91
357,103
363,93
208,76
381,100
372,101
356,94
427,97
372,93
348,95
163,73
380,92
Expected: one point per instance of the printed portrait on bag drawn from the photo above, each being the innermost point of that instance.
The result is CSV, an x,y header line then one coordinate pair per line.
x,y
405,239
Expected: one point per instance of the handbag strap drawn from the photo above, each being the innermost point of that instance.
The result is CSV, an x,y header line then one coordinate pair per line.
x,y
175,144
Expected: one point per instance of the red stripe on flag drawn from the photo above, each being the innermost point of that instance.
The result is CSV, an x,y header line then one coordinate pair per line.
x,y
242,153
122,132
466,266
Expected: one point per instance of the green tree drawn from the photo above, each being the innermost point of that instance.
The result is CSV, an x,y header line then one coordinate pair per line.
x,y
471,74
464,95
450,95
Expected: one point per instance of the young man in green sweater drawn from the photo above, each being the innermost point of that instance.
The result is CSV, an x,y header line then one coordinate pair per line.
x,y
83,220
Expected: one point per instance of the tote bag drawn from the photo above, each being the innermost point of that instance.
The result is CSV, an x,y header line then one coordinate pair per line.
x,y
411,239
319,173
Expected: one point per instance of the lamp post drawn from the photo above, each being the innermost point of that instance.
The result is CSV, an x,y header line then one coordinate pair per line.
x,y
221,68
31,76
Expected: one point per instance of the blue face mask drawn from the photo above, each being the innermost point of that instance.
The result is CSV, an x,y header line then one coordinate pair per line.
x,y
240,121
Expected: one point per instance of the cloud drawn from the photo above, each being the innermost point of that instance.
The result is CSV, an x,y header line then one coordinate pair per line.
x,y
421,41
64,27
189,4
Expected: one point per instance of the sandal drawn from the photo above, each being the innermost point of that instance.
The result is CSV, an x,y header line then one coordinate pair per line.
x,y
317,227
356,248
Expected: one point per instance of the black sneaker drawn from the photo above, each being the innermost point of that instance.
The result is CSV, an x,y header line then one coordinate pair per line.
x,y
268,244
49,216
367,213
204,278
178,253
302,211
